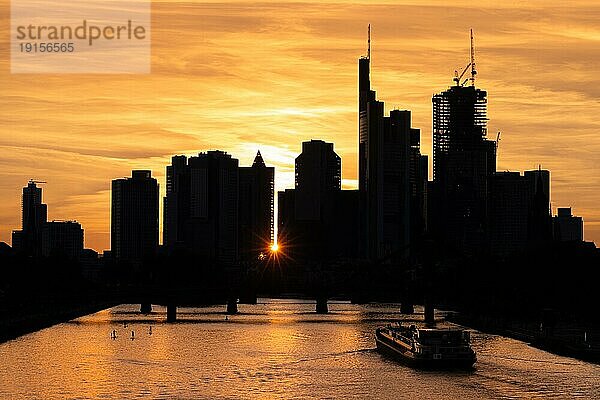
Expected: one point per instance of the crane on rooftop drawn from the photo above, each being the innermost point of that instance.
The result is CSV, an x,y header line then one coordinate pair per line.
x,y
458,78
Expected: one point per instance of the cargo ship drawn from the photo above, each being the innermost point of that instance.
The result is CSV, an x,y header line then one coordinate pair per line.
x,y
444,348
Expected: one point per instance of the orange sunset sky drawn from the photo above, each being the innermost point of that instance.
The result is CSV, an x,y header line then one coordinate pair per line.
x,y
242,76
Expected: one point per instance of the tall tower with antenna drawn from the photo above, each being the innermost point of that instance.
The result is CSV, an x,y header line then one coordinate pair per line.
x,y
365,95
386,147
369,43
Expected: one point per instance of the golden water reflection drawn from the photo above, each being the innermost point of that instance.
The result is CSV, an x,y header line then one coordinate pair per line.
x,y
275,349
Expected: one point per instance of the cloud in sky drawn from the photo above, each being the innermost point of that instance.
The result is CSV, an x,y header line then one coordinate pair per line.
x,y
242,76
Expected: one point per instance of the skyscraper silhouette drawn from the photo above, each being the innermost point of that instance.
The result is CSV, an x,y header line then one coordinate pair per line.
x,y
62,238
540,218
510,202
365,96
307,222
34,215
201,206
256,208
134,217
176,204
519,211
463,161
318,176
389,162
567,227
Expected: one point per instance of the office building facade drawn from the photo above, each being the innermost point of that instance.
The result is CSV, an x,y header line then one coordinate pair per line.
x,y
201,206
62,239
256,209
134,217
392,182
34,215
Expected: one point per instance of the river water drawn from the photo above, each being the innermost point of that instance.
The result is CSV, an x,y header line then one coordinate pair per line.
x,y
276,349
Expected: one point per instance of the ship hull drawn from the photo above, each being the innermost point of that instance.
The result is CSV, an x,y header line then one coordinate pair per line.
x,y
406,356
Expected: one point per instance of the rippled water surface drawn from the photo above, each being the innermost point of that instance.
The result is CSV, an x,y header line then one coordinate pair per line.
x,y
276,349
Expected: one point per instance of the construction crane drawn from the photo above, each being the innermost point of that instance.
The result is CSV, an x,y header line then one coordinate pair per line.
x,y
458,78
37,182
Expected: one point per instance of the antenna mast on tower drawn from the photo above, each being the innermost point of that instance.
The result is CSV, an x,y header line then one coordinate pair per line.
x,y
473,71
369,44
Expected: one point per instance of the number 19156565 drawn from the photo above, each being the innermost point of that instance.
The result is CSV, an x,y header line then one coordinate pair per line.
x,y
47,47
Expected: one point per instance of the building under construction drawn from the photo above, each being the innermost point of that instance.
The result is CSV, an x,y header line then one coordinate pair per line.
x,y
463,161
459,123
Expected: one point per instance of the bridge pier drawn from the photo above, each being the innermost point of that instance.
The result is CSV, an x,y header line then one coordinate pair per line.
x,y
146,308
407,308
429,313
171,313
322,305
232,306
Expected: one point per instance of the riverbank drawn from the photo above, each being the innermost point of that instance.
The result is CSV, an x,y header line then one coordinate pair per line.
x,y
569,340
28,319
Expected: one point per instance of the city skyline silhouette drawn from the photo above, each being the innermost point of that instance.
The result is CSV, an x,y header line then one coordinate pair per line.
x,y
303,200
462,83
227,213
